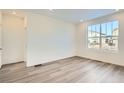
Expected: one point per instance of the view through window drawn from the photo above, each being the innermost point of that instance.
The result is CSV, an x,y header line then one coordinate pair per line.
x,y
104,36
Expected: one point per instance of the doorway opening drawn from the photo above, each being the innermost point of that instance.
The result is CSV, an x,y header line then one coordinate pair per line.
x,y
13,38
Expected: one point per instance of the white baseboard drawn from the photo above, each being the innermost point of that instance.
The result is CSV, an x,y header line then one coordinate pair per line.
x,y
48,61
101,60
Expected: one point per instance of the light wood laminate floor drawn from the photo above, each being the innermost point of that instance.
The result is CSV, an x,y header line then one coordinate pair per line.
x,y
69,70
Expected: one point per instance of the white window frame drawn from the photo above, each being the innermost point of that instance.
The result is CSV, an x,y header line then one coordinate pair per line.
x,y
100,45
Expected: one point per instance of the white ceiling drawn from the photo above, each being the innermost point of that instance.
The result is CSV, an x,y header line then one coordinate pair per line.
x,y
72,15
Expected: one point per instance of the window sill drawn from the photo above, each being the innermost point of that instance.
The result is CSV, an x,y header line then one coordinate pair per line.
x,y
103,50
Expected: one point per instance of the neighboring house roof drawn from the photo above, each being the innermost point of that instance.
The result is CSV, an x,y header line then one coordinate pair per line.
x,y
115,30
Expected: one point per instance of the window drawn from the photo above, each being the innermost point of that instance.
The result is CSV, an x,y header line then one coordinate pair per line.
x,y
94,36
104,36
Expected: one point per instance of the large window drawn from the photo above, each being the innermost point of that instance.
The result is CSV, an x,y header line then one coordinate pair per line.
x,y
104,36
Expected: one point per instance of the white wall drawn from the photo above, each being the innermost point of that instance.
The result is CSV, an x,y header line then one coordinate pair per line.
x,y
0,30
0,37
13,39
106,56
48,39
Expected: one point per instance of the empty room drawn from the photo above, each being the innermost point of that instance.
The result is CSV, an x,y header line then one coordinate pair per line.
x,y
61,46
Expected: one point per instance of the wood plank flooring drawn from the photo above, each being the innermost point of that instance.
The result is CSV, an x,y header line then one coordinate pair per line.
x,y
69,70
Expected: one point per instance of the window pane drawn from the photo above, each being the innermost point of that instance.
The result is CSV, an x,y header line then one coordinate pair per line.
x,y
103,29
89,31
109,29
98,30
93,30
110,43
115,28
93,43
115,24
